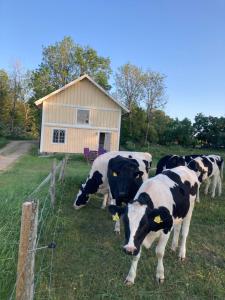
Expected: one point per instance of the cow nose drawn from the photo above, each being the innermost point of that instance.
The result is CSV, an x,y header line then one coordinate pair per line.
x,y
130,249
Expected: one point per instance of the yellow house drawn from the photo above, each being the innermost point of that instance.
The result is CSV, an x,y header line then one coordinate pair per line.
x,y
80,115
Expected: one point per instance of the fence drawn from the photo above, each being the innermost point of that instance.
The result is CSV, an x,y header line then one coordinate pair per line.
x,y
33,221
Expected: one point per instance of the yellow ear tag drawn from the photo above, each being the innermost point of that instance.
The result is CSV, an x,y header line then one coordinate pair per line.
x,y
158,220
116,217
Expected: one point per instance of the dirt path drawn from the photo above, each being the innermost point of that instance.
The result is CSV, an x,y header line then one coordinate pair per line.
x,y
13,151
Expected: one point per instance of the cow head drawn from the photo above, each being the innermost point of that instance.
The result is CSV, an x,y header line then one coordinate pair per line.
x,y
139,219
91,186
124,177
199,168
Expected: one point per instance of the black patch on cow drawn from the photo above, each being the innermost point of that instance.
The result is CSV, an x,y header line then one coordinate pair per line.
x,y
207,163
90,187
167,220
145,199
124,177
147,165
194,166
161,163
113,209
170,162
130,156
181,194
175,161
211,158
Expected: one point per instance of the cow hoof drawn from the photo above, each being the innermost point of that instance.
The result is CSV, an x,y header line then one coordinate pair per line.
x,y
160,280
117,232
103,207
173,248
128,282
78,206
182,259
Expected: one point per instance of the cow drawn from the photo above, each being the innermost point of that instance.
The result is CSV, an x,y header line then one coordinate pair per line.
x,y
125,176
172,161
162,203
97,180
212,166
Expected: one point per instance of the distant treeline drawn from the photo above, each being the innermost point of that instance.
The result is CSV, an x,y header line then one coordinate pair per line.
x,y
204,132
142,91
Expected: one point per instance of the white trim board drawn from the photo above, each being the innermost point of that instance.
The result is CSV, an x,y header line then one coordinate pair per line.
x,y
80,127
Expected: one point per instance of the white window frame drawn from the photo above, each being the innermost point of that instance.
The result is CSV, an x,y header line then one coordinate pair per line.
x,y
65,140
89,121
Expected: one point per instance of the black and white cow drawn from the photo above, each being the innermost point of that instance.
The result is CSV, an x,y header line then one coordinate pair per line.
x,y
172,161
97,180
211,169
163,202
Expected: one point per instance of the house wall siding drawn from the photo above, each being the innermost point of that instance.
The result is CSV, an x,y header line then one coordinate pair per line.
x,y
76,140
60,111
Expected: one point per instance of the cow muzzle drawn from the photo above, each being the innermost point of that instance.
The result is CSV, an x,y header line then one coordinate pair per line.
x,y
131,250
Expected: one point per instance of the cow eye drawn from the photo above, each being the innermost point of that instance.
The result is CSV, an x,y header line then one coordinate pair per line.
x,y
114,174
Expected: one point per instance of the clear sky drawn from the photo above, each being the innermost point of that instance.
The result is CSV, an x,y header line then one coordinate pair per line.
x,y
184,39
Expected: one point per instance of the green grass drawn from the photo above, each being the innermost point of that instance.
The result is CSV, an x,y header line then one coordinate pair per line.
x,y
3,141
88,262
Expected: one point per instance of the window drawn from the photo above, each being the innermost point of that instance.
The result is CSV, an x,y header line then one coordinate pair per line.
x,y
59,136
83,116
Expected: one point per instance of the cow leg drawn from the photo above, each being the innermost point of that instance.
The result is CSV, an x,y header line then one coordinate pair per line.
x,y
148,241
214,183
185,230
208,181
133,269
117,223
176,233
105,201
197,195
160,250
219,185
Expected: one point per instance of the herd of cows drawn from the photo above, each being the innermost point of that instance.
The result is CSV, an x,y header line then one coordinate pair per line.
x,y
151,207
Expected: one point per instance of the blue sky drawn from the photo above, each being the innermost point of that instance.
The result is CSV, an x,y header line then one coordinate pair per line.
x,y
183,39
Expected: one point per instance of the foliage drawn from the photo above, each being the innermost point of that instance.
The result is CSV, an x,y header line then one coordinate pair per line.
x,y
210,131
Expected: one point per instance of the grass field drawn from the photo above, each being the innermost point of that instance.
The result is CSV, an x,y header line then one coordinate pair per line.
x,y
88,262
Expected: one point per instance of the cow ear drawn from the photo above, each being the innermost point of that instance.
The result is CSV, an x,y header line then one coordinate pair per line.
x,y
160,218
116,210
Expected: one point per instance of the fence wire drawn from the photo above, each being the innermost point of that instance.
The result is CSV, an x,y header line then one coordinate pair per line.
x,y
47,234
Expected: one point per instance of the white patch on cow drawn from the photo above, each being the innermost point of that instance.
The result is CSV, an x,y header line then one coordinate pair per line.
x,y
135,214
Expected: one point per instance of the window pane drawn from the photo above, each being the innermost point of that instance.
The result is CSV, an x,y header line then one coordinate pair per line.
x,y
82,116
62,136
55,136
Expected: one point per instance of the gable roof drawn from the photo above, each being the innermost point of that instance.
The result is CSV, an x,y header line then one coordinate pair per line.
x,y
40,101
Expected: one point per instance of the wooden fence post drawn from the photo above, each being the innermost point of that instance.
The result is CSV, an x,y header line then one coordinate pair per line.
x,y
26,256
62,170
52,185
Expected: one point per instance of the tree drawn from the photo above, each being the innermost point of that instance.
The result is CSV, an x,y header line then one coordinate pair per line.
x,y
129,88
65,61
4,100
154,95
